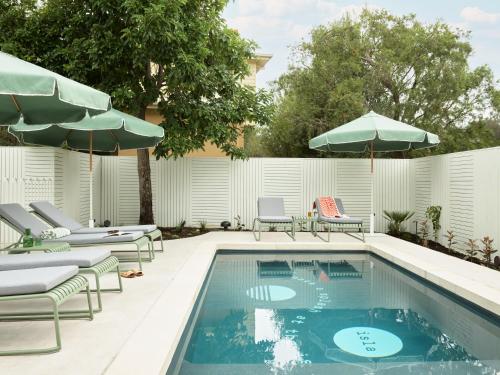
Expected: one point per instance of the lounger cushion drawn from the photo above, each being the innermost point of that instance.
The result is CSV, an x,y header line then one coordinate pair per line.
x,y
34,280
98,238
275,219
55,216
21,219
83,258
340,220
126,228
271,206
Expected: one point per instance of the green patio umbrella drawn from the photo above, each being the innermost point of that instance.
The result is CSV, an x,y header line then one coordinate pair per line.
x,y
44,97
375,133
107,132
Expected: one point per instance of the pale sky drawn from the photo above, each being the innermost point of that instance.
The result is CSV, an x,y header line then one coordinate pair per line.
x,y
276,25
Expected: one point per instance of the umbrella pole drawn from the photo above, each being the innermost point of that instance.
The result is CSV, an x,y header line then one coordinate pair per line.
x,y
372,214
91,198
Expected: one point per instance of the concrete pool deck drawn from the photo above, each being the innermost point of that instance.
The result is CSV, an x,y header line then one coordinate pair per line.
x,y
138,331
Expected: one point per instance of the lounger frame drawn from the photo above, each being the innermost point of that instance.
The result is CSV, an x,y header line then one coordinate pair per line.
x,y
258,224
329,226
139,245
56,296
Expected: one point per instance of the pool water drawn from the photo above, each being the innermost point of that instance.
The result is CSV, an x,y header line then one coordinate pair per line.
x,y
331,313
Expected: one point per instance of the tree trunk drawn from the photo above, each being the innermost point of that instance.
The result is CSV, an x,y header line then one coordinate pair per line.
x,y
145,189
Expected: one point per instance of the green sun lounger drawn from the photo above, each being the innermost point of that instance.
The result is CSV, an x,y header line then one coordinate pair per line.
x,y
53,284
271,212
91,261
14,215
55,217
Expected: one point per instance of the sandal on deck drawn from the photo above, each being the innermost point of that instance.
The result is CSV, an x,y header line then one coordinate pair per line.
x,y
128,274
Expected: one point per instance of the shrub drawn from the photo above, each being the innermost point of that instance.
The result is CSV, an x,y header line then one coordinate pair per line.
x,y
433,213
487,250
396,221
424,232
471,250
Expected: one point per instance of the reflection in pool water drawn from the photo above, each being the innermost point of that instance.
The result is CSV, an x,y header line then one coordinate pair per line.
x,y
302,320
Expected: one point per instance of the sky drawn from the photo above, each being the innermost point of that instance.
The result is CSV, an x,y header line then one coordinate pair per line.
x,y
278,25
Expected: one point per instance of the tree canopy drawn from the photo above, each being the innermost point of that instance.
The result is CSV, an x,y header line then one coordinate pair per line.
x,y
397,66
177,55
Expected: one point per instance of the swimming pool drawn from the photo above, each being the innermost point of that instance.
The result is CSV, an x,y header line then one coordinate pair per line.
x,y
330,313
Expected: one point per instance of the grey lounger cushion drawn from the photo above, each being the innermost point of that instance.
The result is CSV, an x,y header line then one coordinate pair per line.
x,y
34,280
272,210
58,219
83,258
126,228
275,219
55,216
98,238
21,219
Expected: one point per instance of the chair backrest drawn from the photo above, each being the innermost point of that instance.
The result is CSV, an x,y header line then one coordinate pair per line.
x,y
54,216
20,219
340,205
271,206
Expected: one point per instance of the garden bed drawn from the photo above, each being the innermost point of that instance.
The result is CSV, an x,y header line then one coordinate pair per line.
x,y
410,237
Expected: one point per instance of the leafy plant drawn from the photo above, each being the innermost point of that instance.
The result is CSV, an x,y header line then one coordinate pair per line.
x,y
180,226
424,232
487,250
396,221
471,250
239,225
450,238
433,213
203,225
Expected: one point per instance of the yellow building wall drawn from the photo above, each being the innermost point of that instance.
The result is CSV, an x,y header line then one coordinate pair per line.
x,y
210,150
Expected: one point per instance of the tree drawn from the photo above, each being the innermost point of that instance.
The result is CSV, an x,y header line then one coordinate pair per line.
x,y
176,54
412,72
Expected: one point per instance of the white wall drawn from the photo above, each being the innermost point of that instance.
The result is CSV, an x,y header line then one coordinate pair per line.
x,y
466,185
217,189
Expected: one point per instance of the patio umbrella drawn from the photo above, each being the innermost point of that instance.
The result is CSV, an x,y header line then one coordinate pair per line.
x,y
375,133
107,132
42,97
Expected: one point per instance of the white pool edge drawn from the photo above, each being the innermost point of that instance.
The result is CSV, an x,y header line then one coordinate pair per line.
x,y
151,347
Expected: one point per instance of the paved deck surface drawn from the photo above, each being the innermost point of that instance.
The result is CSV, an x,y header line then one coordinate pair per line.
x,y
138,330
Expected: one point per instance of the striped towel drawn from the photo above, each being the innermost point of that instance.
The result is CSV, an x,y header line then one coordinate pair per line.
x,y
328,207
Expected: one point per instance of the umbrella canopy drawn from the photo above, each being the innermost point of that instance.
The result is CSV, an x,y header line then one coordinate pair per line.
x,y
42,96
375,133
107,132
385,134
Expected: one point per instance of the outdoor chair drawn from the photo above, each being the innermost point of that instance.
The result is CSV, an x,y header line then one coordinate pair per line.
x,y
91,261
331,222
14,215
271,212
54,284
55,217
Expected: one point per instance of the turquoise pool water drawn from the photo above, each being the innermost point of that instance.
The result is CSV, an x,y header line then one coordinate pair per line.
x,y
331,313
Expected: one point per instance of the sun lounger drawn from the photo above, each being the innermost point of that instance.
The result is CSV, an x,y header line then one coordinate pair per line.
x,y
91,261
57,218
326,208
271,212
55,284
14,215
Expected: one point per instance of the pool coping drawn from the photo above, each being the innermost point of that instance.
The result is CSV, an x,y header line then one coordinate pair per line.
x,y
156,338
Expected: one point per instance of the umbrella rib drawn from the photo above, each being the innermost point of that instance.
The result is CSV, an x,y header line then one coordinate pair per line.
x,y
16,103
115,137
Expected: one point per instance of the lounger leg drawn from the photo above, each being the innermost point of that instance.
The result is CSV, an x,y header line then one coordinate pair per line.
x,y
98,293
329,233
120,285
255,221
161,242
139,257
57,327
89,301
